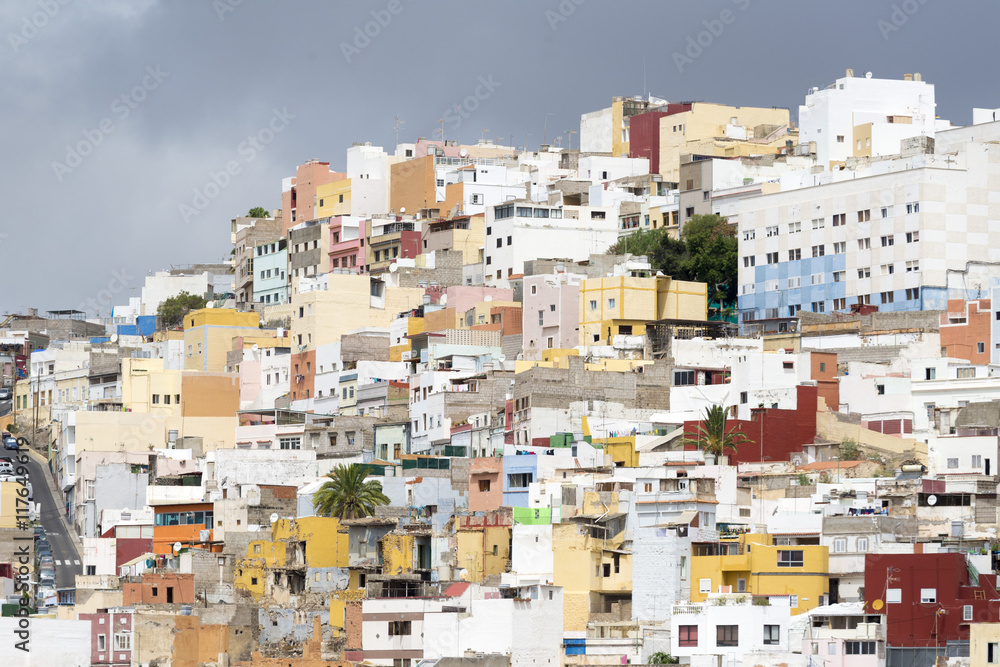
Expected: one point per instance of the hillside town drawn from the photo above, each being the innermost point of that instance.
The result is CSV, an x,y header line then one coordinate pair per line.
x,y
710,385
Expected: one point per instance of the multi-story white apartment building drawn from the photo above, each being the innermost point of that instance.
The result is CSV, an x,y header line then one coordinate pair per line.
x,y
901,235
520,230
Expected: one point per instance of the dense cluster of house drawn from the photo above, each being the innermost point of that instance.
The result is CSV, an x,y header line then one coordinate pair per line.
x,y
541,409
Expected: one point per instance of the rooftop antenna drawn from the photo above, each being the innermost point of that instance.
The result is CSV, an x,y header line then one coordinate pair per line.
x,y
644,77
398,124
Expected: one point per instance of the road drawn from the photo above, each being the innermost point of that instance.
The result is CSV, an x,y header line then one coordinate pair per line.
x,y
5,408
52,516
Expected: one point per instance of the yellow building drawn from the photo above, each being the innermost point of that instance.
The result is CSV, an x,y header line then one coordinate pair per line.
x,y
590,564
352,302
209,334
148,387
259,572
689,132
754,565
333,199
463,233
623,305
984,643
414,326
482,545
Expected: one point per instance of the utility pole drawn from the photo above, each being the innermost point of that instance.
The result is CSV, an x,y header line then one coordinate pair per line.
x,y
398,124
545,127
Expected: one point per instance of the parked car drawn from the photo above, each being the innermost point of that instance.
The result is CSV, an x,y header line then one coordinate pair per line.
x,y
6,394
39,532
6,468
46,560
10,443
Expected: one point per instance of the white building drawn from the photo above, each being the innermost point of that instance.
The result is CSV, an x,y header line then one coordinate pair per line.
x,y
854,109
728,627
520,231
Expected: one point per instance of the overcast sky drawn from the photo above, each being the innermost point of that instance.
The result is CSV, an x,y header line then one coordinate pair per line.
x,y
116,111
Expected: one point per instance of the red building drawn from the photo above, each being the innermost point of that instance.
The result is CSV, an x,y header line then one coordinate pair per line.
x,y
644,133
110,637
928,600
783,432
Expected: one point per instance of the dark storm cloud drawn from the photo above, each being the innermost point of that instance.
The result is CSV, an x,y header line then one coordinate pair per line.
x,y
76,78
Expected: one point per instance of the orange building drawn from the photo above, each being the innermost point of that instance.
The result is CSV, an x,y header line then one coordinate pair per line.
x,y
965,330
159,588
824,371
412,186
485,485
298,200
190,524
303,376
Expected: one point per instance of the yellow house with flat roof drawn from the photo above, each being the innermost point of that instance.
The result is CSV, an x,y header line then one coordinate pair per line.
x,y
754,565
623,305
209,334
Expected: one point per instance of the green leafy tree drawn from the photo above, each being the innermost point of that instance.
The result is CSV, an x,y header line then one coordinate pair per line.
x,y
642,242
661,658
172,311
713,435
258,212
347,495
849,451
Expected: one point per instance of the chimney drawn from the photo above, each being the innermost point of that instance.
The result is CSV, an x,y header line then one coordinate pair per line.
x,y
850,72
907,77
33,312
917,77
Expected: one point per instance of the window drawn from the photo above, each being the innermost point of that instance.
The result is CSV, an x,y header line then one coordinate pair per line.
x,y
839,276
888,269
864,244
794,282
727,635
687,635
912,266
913,294
912,237
771,635
102,642
89,489
611,304
541,317
704,585
772,231
772,258
683,378
839,219
887,297
894,596
290,443
509,240
593,305
790,558
519,480
597,215
840,248
840,140
816,279
840,304
993,653
794,227
888,241
741,585
123,641
913,208
818,250
859,648
794,255
967,612
819,223
880,389
819,306
793,601
840,545
862,544
928,595
965,373
865,215
952,463
793,310
399,628
749,261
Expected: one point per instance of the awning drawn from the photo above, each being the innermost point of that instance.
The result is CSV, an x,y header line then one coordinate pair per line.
x,y
686,517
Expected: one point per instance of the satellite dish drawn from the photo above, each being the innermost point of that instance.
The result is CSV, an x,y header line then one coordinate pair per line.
x,y
868,75
402,209
177,547
274,517
114,338
932,500
464,574
877,604
502,358
393,268
463,152
255,347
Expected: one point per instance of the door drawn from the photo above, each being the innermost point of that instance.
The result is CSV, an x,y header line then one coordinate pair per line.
x,y
170,594
834,590
987,470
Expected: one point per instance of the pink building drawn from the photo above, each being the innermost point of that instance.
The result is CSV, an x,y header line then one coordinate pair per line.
x,y
464,297
347,244
298,193
485,485
110,637
551,315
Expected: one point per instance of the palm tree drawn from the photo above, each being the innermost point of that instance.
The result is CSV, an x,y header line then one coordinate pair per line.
x,y
347,495
712,436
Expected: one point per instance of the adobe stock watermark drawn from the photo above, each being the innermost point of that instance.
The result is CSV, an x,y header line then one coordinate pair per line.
x,y
704,40
901,13
223,7
370,30
562,12
104,300
456,113
32,23
121,107
247,151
